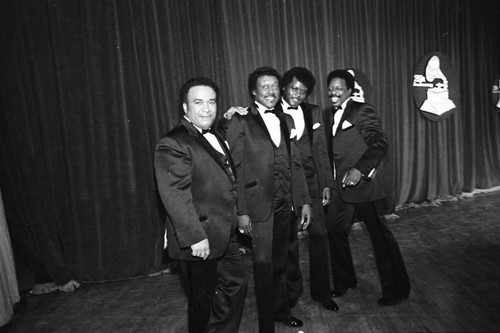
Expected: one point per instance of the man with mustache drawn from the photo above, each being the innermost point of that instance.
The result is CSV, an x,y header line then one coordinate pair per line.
x,y
357,144
197,185
270,180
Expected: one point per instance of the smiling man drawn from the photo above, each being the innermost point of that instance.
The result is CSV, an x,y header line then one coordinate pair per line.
x,y
357,146
195,176
270,181
297,84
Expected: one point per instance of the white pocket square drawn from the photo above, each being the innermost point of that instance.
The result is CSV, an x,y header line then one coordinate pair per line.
x,y
293,133
316,125
346,124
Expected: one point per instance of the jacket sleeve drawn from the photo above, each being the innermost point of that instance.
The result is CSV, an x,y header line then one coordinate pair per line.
x,y
235,136
173,174
369,126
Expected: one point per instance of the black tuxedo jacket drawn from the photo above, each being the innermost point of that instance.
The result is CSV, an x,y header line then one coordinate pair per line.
x,y
315,129
361,143
252,150
197,190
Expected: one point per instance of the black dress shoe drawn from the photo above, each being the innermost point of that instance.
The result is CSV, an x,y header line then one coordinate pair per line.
x,y
331,305
387,301
337,292
291,321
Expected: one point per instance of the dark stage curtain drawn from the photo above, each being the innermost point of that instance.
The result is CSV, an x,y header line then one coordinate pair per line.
x,y
385,40
88,87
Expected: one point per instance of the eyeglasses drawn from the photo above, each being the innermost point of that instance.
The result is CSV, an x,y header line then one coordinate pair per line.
x,y
298,91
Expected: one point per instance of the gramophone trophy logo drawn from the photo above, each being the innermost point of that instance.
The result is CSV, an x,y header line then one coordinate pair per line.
x,y
435,86
362,86
496,92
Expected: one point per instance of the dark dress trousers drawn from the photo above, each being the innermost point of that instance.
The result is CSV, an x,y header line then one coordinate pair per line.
x,y
270,181
361,143
313,150
197,187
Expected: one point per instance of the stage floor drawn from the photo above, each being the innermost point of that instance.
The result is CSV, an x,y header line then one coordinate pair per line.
x,y
452,253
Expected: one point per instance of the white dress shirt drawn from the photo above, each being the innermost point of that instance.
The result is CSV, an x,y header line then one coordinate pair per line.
x,y
298,117
338,116
210,138
336,123
272,123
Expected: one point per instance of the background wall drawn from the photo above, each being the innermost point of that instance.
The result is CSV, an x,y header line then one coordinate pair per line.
x,y
88,87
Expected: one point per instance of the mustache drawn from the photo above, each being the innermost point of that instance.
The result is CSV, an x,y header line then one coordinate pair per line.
x,y
270,95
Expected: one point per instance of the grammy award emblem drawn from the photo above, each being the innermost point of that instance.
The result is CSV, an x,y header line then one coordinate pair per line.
x,y
435,86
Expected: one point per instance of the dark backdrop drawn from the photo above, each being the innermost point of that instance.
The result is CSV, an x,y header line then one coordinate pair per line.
x,y
88,87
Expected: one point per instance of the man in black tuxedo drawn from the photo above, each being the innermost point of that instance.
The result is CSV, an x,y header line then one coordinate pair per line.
x,y
270,178
357,145
196,181
296,85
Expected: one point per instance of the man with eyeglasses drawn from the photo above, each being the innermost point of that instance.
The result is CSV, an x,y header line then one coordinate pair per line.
x,y
297,84
357,144
270,180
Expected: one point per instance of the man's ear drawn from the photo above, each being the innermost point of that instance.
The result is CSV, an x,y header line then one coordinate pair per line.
x,y
185,107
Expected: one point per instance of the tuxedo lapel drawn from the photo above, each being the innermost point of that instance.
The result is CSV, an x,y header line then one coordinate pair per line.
x,y
285,129
306,111
228,155
285,132
210,149
258,118
348,115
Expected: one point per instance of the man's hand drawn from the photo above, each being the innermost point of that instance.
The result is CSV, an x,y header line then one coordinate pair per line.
x,y
201,249
306,217
351,178
235,109
245,224
326,196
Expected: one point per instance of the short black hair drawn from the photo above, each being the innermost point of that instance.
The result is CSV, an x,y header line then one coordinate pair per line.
x,y
342,74
303,75
194,82
261,71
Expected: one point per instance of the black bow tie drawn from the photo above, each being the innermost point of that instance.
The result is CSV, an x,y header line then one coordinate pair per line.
x,y
205,131
271,111
336,108
293,108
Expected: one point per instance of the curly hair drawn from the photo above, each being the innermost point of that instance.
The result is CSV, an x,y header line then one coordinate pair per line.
x,y
303,75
